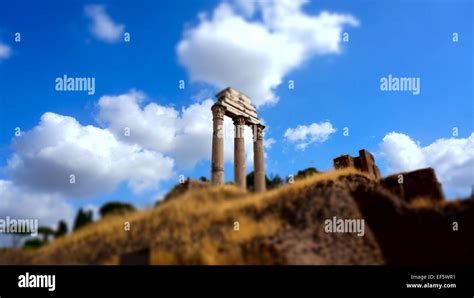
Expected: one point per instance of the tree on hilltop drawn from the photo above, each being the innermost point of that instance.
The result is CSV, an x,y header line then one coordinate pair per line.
x,y
275,181
306,173
82,218
61,230
115,208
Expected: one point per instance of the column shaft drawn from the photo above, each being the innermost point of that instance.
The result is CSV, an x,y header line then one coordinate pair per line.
x,y
239,153
217,168
258,159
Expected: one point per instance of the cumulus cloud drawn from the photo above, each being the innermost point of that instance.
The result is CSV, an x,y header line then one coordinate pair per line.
x,y
59,146
102,26
184,135
232,48
5,51
268,143
140,144
152,127
452,159
304,135
19,203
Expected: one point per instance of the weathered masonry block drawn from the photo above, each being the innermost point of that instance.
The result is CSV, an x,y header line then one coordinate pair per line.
x,y
365,162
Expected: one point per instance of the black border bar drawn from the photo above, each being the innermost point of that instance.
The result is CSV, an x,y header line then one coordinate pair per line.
x,y
219,281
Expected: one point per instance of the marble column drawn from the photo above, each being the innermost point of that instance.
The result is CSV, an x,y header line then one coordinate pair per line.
x,y
258,158
239,152
217,170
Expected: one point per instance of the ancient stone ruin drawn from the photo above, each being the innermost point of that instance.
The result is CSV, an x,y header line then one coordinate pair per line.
x,y
421,183
237,106
365,162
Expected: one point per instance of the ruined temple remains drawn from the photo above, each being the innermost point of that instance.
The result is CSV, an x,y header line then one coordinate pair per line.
x,y
238,107
365,162
421,183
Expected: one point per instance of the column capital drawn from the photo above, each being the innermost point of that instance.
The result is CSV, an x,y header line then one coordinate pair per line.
x,y
218,111
258,131
239,120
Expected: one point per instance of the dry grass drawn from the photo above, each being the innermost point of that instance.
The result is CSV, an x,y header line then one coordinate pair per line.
x,y
194,228
422,203
428,203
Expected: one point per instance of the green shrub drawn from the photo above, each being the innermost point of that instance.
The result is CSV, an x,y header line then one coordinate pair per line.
x,y
33,243
115,208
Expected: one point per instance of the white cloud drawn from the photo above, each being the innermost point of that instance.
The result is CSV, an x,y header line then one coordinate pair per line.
x,y
203,94
101,158
305,135
160,137
5,51
186,136
153,127
102,26
452,159
268,143
229,49
247,7
18,202
59,146
401,152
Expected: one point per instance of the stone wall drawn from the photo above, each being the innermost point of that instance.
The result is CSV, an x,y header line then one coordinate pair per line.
x,y
365,162
416,184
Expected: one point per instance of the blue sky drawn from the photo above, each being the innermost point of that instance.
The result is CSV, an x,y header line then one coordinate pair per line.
x,y
337,82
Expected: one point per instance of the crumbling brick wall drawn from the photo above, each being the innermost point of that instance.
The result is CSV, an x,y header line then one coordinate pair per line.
x,y
343,161
415,184
365,162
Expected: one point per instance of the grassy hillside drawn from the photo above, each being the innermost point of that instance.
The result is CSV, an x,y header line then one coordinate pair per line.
x,y
198,228
282,226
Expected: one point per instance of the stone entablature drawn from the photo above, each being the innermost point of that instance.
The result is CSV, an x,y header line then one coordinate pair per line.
x,y
237,104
